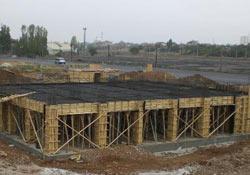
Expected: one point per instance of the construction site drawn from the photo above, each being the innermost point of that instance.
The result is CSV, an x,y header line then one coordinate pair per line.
x,y
90,111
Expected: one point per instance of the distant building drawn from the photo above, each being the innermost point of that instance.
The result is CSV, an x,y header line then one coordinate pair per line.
x,y
102,44
245,40
56,47
193,43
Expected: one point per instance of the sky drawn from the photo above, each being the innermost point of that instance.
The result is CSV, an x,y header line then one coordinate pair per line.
x,y
208,21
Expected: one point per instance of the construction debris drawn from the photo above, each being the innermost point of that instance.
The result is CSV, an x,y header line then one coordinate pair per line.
x,y
198,80
3,154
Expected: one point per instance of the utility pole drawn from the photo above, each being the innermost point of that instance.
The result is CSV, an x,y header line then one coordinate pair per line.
x,y
236,52
156,55
197,50
84,41
109,51
221,55
246,53
71,45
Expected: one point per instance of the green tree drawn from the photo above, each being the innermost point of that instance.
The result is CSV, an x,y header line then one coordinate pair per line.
x,y
74,43
134,50
33,41
5,39
170,45
92,50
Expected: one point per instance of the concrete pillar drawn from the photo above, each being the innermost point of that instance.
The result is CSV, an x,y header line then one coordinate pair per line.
x,y
172,122
203,123
138,127
101,126
51,131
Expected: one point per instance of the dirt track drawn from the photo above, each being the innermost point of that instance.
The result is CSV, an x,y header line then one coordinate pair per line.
x,y
233,159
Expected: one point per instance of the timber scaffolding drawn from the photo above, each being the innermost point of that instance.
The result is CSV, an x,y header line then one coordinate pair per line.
x,y
72,117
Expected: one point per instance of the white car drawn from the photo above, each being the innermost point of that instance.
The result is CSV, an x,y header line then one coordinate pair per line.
x,y
60,60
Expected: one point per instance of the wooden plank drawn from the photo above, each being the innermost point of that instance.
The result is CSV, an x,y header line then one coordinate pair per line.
x,y
159,104
203,122
101,126
172,122
223,100
190,102
51,130
77,108
11,125
27,103
138,127
12,97
119,106
239,120
28,131
198,102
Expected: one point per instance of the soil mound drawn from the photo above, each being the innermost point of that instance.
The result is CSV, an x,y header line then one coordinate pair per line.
x,y
9,77
198,80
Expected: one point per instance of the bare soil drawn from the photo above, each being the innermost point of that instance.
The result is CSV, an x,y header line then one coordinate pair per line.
x,y
233,159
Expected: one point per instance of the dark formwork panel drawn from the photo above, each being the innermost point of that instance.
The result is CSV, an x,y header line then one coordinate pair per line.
x,y
111,91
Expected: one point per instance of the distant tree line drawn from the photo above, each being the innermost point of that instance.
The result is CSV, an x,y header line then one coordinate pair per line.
x,y
33,41
194,48
77,47
5,40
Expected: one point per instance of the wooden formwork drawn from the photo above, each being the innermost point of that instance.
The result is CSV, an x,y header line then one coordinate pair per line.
x,y
100,112
83,76
242,118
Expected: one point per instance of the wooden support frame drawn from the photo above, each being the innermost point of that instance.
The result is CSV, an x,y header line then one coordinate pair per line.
x,y
77,133
188,125
132,124
138,109
34,129
231,115
11,128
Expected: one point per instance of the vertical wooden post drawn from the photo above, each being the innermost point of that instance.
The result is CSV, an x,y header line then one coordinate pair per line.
x,y
51,130
138,127
101,126
1,117
248,113
29,133
239,121
172,121
203,123
11,125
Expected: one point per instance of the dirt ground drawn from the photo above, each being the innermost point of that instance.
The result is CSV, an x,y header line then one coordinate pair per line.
x,y
224,64
232,159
